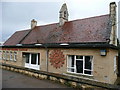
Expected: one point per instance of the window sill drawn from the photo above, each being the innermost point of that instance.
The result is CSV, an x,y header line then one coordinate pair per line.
x,y
88,77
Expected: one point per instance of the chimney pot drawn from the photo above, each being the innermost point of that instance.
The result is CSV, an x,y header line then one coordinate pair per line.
x,y
33,23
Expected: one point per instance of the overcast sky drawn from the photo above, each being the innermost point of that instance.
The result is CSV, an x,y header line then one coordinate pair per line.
x,y
17,15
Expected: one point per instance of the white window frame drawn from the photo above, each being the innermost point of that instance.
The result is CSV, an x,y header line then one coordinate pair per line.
x,y
33,66
68,66
7,55
11,55
83,65
15,56
4,55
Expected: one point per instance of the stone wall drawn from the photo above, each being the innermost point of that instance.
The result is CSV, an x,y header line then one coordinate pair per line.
x,y
67,80
103,66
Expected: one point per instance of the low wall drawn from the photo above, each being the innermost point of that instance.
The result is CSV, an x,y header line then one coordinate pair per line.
x,y
63,79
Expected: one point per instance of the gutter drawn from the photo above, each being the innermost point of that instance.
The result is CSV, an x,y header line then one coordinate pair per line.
x,y
70,45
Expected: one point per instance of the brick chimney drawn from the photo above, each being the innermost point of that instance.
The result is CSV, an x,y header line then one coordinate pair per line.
x,y
33,24
113,37
63,14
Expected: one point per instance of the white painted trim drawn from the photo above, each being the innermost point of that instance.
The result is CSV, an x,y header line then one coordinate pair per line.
x,y
32,66
7,55
4,55
75,64
11,55
83,65
15,55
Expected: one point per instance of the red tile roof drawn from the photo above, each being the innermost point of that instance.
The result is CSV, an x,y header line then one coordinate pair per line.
x,y
94,29
16,37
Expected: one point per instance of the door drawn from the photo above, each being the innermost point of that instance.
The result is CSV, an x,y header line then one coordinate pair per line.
x,y
31,60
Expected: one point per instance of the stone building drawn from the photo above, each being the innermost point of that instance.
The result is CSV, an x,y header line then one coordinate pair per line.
x,y
118,20
84,48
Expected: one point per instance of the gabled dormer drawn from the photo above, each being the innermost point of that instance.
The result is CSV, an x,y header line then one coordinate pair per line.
x,y
63,14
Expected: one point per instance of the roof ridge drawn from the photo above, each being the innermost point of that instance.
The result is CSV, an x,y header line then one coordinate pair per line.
x,y
23,30
89,18
74,20
68,21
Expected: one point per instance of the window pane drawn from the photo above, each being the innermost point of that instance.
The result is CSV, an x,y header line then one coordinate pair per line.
x,y
72,61
38,59
15,56
71,69
33,58
26,56
11,56
88,61
87,72
4,55
79,57
79,66
7,53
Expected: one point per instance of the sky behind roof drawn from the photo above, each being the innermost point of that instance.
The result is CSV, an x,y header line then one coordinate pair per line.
x,y
16,15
